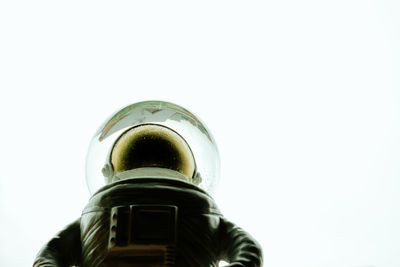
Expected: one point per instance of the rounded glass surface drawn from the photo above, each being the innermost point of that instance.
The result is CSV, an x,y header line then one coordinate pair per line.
x,y
172,116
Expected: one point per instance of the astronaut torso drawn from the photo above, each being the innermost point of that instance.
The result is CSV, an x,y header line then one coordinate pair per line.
x,y
153,221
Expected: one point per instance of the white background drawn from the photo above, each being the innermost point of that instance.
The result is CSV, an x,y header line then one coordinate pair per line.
x,y
302,98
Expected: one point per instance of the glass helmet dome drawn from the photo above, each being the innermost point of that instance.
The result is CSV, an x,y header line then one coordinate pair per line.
x,y
153,139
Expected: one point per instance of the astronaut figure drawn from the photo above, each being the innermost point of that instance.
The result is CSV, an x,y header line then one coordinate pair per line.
x,y
150,169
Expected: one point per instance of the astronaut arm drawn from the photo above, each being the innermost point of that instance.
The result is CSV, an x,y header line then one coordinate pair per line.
x,y
63,250
238,247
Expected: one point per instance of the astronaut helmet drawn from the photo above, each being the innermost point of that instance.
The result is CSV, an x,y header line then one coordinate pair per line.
x,y
153,139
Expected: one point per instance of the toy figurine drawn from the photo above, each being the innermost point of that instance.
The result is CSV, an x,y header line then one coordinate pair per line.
x,y
150,169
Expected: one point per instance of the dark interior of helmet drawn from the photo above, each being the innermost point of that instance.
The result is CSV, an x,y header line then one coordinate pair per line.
x,y
150,151
149,146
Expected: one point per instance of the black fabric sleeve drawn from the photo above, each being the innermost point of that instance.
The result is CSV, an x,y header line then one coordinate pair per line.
x,y
64,250
237,247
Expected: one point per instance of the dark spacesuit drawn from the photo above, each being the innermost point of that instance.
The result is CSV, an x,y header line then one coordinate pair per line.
x,y
153,220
